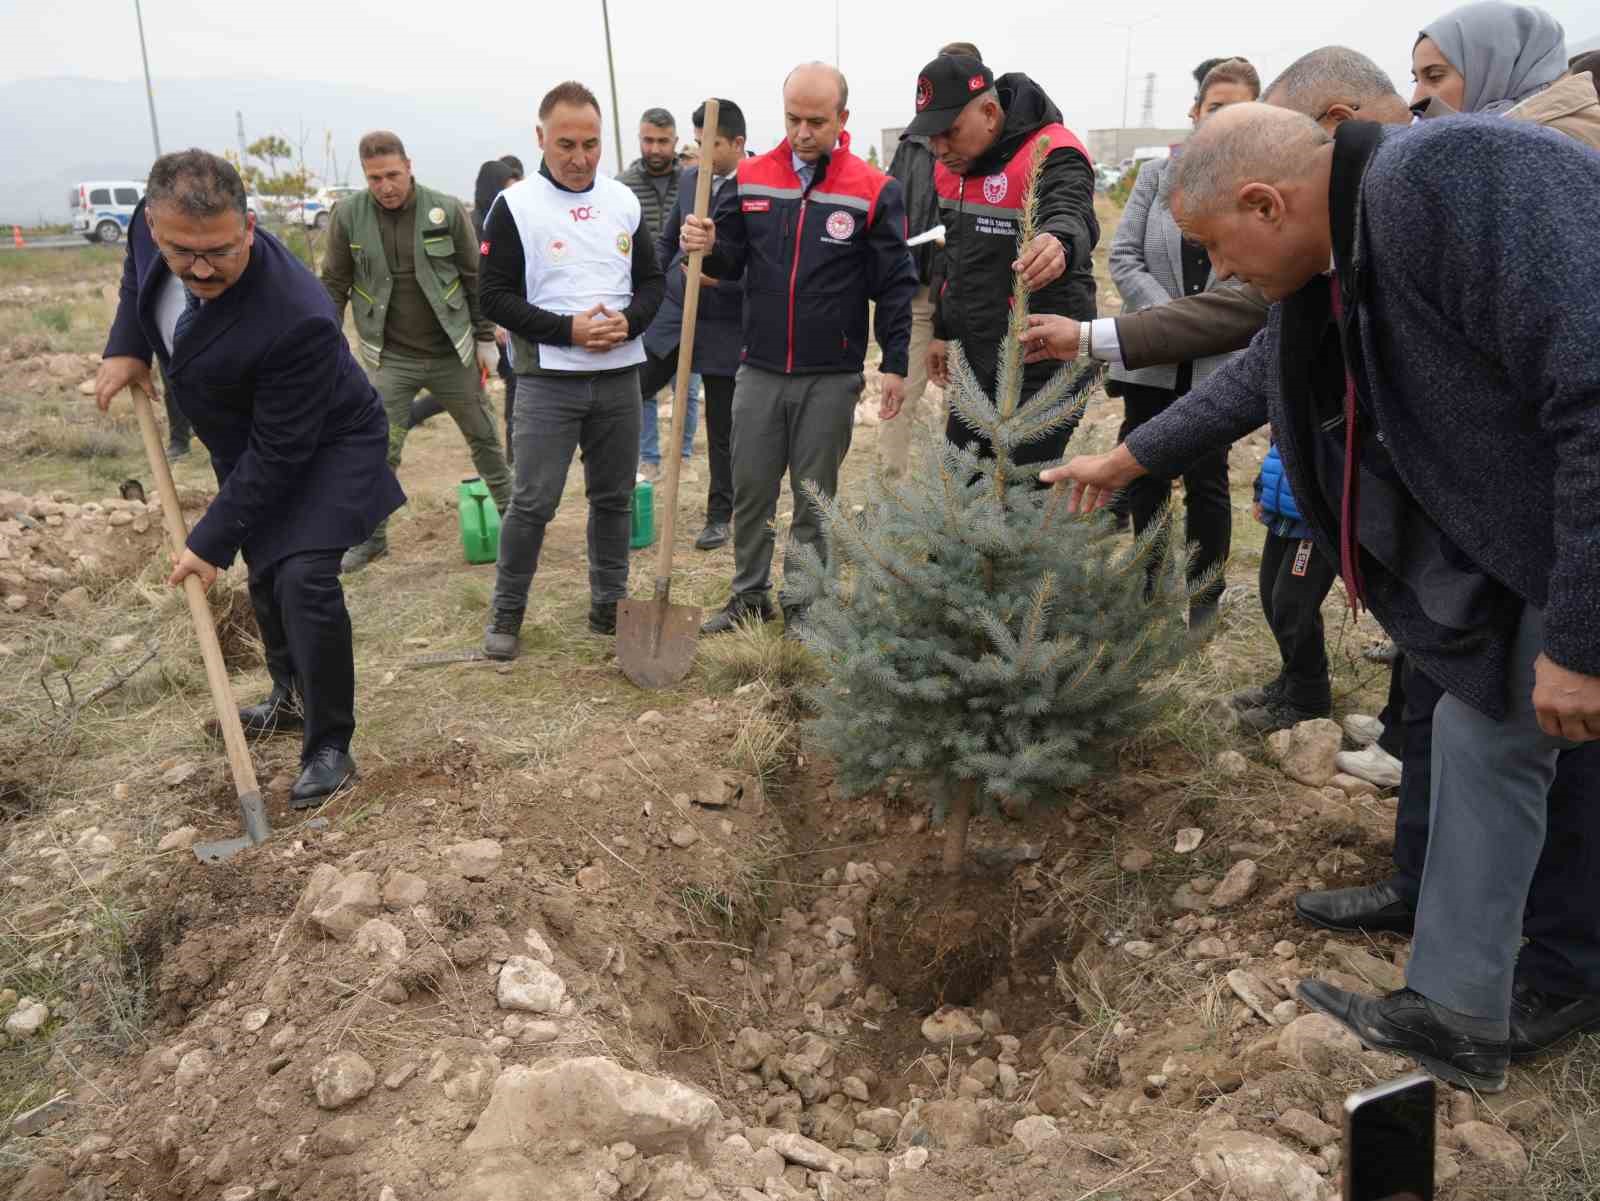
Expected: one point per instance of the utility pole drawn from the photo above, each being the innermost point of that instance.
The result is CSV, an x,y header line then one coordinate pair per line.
x,y
611,66
1147,116
149,92
239,119
1127,68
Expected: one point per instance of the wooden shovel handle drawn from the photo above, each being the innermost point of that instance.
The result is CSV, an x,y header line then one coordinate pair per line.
x,y
205,629
680,391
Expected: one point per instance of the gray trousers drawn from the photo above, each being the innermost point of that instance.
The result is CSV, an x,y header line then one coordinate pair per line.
x,y
1488,817
597,415
799,425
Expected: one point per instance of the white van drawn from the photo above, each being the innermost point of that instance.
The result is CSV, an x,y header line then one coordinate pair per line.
x,y
101,209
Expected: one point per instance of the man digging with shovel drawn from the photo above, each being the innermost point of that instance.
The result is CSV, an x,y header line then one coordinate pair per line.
x,y
255,357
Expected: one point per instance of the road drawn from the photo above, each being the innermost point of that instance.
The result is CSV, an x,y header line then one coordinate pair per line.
x,y
54,242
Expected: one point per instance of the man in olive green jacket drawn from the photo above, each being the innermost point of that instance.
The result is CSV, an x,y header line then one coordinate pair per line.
x,y
405,258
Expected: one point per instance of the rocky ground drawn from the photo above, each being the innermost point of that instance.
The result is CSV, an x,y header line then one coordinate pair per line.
x,y
569,940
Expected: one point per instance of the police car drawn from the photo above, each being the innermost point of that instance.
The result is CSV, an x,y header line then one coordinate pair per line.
x,y
101,209
316,211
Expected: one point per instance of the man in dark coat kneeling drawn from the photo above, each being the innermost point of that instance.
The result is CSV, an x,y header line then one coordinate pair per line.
x,y
255,357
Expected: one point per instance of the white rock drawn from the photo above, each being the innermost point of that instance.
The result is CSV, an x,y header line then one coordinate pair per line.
x,y
378,939
807,1153
1036,1131
951,1024
1232,763
27,1019
1314,1042
178,773
595,1101
1138,949
475,860
254,1019
345,905
1238,884
537,947
1253,1167
180,839
529,986
1249,990
194,1068
1188,840
1312,747
342,1078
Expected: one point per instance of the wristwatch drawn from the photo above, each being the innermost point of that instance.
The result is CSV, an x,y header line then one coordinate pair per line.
x,y
1085,328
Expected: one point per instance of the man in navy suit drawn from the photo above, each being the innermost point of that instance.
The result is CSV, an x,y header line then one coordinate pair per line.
x,y
254,355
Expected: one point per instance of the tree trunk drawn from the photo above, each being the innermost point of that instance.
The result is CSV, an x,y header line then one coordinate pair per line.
x,y
957,816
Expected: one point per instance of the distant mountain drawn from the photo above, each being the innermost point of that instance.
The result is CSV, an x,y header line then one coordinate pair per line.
x,y
61,131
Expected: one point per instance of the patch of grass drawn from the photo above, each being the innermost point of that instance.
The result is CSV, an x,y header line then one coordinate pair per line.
x,y
44,266
755,653
57,317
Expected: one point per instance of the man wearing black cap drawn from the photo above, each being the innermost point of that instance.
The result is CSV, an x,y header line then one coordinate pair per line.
x,y
983,131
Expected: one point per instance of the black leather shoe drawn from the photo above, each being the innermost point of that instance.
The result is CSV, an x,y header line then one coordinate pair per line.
x,y
603,617
327,771
1257,696
500,640
714,535
1402,1022
278,714
743,606
794,621
1540,1020
1279,714
1372,907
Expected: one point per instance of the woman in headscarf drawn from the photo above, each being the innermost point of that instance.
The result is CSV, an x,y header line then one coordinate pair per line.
x,y
1488,57
1504,59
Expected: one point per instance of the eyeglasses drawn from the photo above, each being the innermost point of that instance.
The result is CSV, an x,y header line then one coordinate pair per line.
x,y
217,260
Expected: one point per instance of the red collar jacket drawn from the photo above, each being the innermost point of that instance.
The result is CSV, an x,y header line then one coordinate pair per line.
x,y
982,212
813,258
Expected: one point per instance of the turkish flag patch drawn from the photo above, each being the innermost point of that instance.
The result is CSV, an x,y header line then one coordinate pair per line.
x,y
483,249
975,84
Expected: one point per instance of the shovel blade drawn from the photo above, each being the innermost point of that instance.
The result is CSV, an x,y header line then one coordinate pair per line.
x,y
222,850
253,816
655,641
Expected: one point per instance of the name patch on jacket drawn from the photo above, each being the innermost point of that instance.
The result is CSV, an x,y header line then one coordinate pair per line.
x,y
755,205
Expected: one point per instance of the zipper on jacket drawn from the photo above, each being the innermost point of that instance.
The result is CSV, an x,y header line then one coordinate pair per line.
x,y
794,274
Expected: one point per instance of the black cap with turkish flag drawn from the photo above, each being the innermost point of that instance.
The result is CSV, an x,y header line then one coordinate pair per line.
x,y
945,87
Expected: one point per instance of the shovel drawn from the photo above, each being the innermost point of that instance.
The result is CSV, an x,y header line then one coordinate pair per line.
x,y
655,638
251,809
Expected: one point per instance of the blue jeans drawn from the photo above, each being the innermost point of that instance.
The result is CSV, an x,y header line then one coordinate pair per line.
x,y
650,439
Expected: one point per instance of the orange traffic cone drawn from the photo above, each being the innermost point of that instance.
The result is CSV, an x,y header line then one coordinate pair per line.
x,y
16,236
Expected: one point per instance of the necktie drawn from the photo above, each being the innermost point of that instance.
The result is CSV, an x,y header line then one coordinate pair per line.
x,y
191,310
1350,502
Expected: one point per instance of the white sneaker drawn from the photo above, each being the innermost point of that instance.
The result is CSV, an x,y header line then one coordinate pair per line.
x,y
1374,765
1362,730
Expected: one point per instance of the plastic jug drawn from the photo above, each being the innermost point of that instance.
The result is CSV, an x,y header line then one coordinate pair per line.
x,y
643,530
480,521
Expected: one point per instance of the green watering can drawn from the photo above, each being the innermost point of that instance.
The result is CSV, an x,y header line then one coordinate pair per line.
x,y
480,521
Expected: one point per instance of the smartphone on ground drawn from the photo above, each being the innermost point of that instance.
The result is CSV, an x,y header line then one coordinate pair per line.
x,y
1388,1141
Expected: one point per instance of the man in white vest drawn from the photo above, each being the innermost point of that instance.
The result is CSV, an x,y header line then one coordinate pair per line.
x,y
569,270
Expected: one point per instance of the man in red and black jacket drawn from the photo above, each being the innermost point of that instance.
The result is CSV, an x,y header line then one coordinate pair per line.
x,y
818,234
983,131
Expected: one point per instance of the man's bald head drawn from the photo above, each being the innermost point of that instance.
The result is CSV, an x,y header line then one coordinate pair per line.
x,y
815,107
809,76
1252,188
1244,143
1334,84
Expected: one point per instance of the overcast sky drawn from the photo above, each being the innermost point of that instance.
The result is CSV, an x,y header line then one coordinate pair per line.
x,y
512,52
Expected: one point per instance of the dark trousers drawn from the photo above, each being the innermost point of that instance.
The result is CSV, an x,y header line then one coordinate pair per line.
x,y
305,629
1393,738
509,378
179,431
1207,507
655,373
596,416
1293,607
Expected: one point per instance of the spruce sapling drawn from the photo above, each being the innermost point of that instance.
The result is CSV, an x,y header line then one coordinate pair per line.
x,y
972,632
